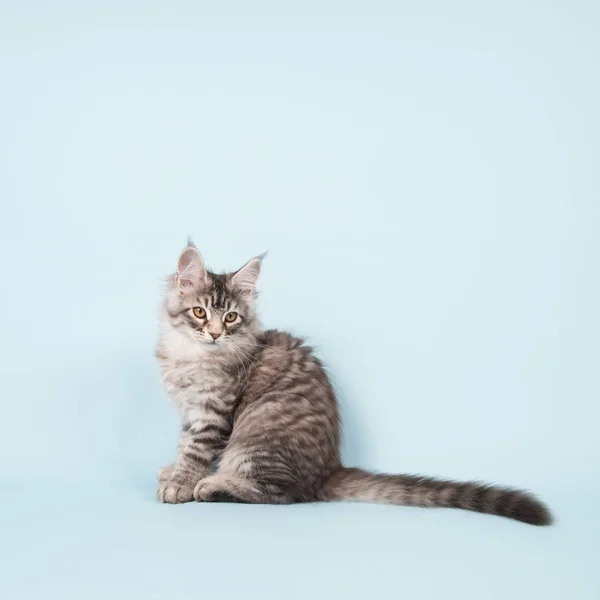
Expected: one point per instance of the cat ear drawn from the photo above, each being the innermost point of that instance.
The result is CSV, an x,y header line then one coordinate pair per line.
x,y
245,278
190,267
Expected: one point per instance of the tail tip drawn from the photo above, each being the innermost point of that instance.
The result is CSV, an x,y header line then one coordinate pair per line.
x,y
530,510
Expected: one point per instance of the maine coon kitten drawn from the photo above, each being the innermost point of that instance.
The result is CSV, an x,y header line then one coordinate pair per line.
x,y
260,420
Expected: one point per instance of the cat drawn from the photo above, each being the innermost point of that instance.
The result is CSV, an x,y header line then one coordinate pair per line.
x,y
260,420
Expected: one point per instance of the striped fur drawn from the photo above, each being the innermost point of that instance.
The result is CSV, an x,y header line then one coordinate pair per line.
x,y
260,420
415,490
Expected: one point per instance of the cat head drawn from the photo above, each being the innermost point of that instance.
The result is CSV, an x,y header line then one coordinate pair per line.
x,y
212,310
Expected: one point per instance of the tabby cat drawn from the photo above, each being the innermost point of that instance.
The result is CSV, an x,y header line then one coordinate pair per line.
x,y
260,421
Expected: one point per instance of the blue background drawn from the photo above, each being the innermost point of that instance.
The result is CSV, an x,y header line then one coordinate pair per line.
x,y
425,177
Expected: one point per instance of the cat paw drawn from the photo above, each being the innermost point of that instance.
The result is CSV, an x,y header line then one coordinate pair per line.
x,y
221,488
165,473
175,493
205,487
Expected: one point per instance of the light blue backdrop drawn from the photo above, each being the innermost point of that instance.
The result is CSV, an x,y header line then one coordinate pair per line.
x,y
425,177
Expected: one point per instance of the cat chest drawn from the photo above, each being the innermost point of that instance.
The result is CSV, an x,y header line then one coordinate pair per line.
x,y
189,386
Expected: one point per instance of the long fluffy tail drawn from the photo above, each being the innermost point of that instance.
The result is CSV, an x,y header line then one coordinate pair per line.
x,y
413,490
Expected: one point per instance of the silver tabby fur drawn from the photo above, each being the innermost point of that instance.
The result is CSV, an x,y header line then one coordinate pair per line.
x,y
260,420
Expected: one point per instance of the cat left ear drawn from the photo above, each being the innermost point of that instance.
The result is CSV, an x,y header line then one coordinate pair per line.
x,y
245,279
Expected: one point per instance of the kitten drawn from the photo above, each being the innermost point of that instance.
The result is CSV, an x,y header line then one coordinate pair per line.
x,y
260,420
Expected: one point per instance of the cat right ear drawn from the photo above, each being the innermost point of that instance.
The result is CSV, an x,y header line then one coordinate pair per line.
x,y
245,278
190,268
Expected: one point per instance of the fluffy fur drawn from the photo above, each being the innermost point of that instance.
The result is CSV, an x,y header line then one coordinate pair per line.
x,y
260,419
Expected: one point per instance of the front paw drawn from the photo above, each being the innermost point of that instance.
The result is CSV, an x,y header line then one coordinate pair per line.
x,y
175,493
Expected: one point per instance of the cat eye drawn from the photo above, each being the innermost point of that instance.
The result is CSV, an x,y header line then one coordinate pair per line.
x,y
199,312
230,317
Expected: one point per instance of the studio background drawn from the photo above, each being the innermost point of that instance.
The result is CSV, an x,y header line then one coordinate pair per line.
x,y
433,164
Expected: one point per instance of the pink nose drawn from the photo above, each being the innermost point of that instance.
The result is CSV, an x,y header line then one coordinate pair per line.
x,y
215,335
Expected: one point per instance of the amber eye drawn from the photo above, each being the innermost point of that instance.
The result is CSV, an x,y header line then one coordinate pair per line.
x,y
199,312
230,317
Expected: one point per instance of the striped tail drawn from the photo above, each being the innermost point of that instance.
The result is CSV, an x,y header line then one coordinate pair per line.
x,y
413,490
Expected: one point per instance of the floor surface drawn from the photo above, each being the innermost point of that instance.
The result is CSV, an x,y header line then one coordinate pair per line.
x,y
68,542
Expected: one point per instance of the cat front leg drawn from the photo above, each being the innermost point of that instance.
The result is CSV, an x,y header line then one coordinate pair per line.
x,y
165,473
198,448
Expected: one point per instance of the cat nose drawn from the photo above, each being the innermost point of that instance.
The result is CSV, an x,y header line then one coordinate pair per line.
x,y
214,336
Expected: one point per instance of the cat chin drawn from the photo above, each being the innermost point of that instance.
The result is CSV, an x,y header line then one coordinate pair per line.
x,y
209,346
